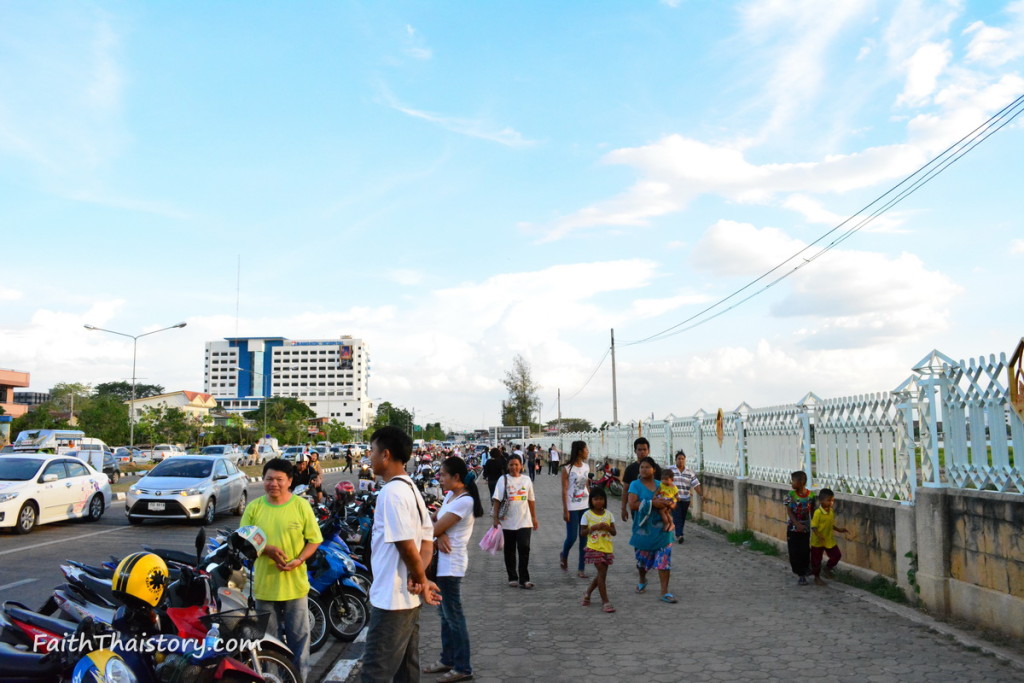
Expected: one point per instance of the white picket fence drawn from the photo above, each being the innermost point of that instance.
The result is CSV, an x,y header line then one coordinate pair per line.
x,y
949,424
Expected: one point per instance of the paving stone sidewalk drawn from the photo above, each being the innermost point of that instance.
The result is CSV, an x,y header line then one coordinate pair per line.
x,y
740,617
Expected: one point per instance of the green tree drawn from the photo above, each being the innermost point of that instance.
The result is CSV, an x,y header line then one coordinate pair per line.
x,y
522,394
160,424
105,417
287,418
48,415
335,432
123,390
573,424
433,432
391,415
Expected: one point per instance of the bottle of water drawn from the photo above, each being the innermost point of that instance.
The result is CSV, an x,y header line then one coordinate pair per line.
x,y
212,639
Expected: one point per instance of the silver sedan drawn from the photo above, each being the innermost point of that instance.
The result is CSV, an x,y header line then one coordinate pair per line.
x,y
187,487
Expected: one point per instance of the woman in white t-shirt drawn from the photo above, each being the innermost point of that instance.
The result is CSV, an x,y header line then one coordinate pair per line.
x,y
452,531
519,520
575,501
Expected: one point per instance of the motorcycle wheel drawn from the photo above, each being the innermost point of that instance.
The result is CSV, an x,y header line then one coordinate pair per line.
x,y
346,616
317,624
276,666
615,488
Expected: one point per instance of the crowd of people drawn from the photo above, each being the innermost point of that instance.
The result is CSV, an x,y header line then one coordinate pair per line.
x,y
419,557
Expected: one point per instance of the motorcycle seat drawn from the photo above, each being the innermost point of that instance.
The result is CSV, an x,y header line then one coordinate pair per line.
x,y
19,665
98,572
177,556
101,587
48,624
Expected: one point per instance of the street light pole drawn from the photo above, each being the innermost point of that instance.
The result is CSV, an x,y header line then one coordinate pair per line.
x,y
135,352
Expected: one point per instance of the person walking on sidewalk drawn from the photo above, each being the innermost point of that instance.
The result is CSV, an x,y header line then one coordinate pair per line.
x,y
519,520
575,501
531,460
494,468
452,531
598,526
686,481
642,449
823,523
553,460
800,504
652,544
401,547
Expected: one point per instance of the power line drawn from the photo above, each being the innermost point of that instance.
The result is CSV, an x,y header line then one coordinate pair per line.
x,y
598,367
927,172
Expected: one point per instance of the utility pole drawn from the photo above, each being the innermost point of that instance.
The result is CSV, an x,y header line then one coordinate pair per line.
x,y
615,395
559,416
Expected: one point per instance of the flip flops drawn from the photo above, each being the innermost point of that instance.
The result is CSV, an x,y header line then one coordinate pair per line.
x,y
527,586
608,608
585,602
669,598
641,587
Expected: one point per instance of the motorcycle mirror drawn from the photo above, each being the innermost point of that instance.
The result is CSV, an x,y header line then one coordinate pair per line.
x,y
300,490
590,476
200,545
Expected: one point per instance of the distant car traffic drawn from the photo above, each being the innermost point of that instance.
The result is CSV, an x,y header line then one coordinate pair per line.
x,y
291,452
233,453
39,488
188,487
165,450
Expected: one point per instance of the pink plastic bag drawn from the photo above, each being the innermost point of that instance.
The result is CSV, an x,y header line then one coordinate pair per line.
x,y
493,540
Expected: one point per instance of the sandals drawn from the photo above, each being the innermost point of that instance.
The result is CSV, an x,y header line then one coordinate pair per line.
x,y
527,586
513,584
563,563
641,587
608,608
669,598
585,602
582,575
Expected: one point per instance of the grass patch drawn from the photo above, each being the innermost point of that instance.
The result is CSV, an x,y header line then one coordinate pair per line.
x,y
748,540
879,585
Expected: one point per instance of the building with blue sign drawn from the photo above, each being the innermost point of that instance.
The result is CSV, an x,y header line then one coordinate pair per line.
x,y
328,375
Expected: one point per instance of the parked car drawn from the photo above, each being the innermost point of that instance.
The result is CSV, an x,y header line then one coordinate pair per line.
x,y
188,487
233,453
39,488
290,452
111,466
165,450
9,448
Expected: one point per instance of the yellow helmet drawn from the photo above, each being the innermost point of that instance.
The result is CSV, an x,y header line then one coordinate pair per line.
x,y
140,577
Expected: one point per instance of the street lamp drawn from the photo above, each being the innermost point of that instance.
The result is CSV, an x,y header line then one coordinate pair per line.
x,y
135,348
257,372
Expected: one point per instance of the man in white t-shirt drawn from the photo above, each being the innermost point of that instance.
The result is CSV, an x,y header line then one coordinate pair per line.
x,y
553,460
401,548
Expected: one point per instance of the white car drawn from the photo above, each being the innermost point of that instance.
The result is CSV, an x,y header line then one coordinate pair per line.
x,y
165,450
38,488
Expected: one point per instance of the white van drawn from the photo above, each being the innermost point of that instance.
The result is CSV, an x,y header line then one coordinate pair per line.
x,y
91,444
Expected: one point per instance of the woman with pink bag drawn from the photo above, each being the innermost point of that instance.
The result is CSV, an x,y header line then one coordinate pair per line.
x,y
515,512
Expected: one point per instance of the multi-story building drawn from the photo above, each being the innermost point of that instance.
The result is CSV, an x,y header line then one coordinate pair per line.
x,y
328,375
9,380
194,404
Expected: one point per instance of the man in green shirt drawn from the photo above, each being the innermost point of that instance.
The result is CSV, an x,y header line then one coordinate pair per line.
x,y
281,585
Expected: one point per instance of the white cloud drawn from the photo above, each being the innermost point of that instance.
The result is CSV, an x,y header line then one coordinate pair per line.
x,y
814,211
993,45
7,294
923,70
730,248
417,48
1017,247
474,128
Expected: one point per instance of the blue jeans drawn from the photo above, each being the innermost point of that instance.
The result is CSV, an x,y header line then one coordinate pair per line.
x,y
572,534
294,615
454,634
679,516
392,646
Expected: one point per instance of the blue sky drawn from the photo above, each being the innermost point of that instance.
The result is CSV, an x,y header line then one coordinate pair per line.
x,y
460,182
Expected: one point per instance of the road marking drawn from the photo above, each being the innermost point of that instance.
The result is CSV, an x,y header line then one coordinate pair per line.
x,y
341,671
16,584
361,638
60,540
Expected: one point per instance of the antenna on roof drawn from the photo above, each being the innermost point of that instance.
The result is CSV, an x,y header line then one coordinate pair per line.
x,y
238,292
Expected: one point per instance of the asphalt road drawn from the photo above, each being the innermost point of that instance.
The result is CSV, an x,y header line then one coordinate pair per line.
x,y
30,565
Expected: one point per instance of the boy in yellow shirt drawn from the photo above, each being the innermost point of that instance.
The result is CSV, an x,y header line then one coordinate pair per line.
x,y
822,539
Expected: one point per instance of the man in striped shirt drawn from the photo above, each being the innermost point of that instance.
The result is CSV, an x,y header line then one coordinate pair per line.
x,y
686,481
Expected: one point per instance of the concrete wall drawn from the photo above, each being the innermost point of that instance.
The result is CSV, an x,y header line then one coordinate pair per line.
x,y
968,545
